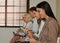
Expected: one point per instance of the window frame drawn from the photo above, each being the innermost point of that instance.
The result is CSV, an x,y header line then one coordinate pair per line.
x,y
6,13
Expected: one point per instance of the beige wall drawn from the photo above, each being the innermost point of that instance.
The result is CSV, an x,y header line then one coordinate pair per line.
x,y
58,10
6,34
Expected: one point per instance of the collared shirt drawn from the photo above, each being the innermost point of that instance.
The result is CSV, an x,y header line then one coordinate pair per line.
x,y
28,25
40,28
35,25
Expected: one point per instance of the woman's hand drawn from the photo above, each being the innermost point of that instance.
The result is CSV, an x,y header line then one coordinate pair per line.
x,y
21,39
32,40
30,35
29,32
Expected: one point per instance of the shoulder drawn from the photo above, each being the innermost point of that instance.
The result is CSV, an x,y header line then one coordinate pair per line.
x,y
52,21
29,23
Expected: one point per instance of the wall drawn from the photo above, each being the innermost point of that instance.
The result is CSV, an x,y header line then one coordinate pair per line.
x,y
58,10
6,34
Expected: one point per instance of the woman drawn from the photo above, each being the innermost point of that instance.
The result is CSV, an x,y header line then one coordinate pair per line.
x,y
36,23
27,21
49,31
32,12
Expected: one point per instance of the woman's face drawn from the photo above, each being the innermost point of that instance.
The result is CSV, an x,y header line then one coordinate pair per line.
x,y
36,14
31,14
41,12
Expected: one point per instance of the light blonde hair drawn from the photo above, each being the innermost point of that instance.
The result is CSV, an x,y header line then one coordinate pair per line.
x,y
27,16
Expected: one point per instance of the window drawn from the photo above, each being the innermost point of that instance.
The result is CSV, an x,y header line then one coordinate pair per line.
x,y
11,12
2,13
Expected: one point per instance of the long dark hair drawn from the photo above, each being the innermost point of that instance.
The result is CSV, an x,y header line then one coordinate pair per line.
x,y
45,5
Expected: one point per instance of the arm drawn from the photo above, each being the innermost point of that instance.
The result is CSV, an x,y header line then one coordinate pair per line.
x,y
29,25
53,31
50,34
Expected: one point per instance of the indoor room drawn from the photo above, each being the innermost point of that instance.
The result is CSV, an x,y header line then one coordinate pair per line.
x,y
12,12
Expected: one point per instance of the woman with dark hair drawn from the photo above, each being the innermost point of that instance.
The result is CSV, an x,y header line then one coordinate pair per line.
x,y
49,30
44,5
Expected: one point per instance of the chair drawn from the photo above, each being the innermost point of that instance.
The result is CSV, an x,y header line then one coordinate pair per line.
x,y
58,40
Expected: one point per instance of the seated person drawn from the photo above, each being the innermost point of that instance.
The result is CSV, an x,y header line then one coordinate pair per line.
x,y
20,32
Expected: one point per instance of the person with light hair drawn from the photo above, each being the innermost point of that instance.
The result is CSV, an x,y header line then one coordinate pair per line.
x,y
20,35
27,24
27,21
